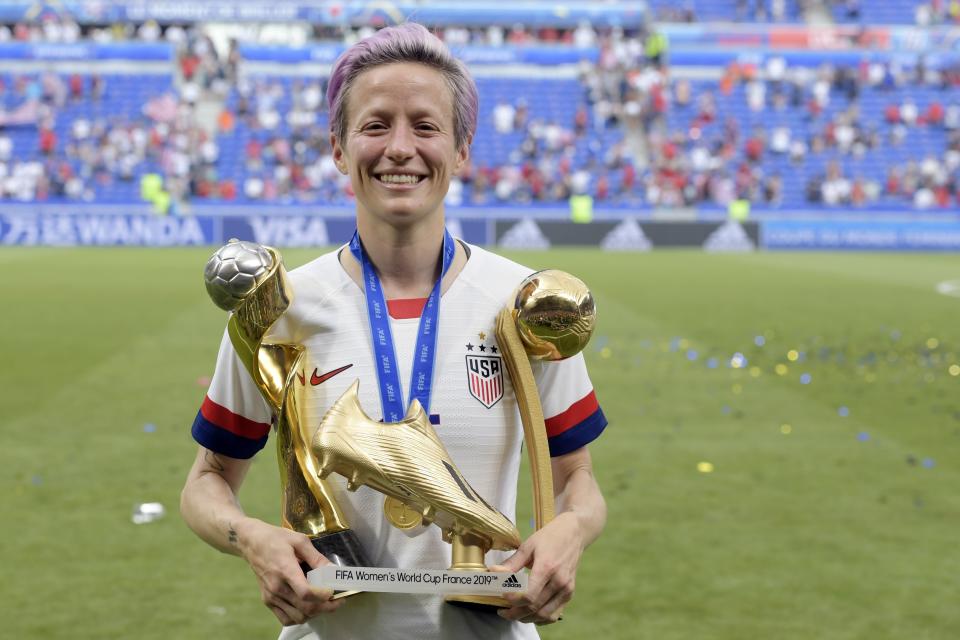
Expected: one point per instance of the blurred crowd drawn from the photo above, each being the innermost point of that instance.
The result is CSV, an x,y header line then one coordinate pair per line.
x,y
924,13
710,158
63,29
743,10
638,134
936,12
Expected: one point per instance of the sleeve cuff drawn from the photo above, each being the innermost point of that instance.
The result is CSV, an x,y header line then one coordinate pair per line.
x,y
224,442
578,435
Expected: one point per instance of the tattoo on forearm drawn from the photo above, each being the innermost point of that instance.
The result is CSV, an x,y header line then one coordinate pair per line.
x,y
231,534
213,460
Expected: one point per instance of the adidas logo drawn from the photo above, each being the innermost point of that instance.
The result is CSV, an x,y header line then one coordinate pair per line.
x,y
525,235
627,236
511,582
729,236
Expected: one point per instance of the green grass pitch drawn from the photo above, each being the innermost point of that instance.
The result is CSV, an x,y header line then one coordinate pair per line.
x,y
810,491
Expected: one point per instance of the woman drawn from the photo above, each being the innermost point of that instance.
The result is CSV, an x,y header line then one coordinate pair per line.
x,y
403,112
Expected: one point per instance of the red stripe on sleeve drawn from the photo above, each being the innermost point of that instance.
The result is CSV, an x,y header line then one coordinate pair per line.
x,y
226,419
575,414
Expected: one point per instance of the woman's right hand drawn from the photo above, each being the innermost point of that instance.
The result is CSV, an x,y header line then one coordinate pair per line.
x,y
275,555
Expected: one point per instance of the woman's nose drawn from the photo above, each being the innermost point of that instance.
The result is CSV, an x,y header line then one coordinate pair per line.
x,y
401,145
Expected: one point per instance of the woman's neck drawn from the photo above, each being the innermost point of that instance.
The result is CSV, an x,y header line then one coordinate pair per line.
x,y
406,259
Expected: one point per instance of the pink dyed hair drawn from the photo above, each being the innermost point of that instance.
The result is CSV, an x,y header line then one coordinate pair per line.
x,y
408,42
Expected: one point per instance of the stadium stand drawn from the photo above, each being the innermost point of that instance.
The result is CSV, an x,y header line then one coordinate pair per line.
x,y
834,139
925,13
632,129
80,137
728,10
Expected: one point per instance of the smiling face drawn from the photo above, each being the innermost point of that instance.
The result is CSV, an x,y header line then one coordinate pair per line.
x,y
399,148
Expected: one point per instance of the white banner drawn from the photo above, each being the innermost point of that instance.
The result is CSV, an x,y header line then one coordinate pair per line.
x,y
439,581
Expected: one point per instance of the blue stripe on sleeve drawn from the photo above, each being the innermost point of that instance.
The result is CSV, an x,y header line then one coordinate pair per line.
x,y
222,441
585,432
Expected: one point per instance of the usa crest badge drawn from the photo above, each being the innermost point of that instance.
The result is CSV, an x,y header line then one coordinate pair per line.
x,y
485,379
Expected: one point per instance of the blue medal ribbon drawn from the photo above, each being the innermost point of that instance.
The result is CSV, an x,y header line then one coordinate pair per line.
x,y
384,352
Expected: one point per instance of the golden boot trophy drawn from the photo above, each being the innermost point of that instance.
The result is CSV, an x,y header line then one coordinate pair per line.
x,y
552,318
250,281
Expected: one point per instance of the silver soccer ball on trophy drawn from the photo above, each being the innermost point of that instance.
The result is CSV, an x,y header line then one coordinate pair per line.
x,y
234,271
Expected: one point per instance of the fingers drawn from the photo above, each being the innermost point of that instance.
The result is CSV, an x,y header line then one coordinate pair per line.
x,y
310,599
551,612
286,613
281,615
284,587
295,603
541,605
520,559
307,598
289,613
536,594
308,553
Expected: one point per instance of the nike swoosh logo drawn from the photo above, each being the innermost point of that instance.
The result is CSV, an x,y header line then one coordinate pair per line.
x,y
315,379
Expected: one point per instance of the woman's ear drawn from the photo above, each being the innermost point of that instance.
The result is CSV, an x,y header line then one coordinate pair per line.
x,y
338,158
463,154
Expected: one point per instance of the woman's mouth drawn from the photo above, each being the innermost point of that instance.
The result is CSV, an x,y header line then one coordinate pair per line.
x,y
399,178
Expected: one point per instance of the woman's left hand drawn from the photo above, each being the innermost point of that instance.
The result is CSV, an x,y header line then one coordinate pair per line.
x,y
552,554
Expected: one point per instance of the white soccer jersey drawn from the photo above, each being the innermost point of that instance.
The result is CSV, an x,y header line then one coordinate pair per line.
x,y
472,407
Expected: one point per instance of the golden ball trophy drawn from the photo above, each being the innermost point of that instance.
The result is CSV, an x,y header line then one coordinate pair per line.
x,y
552,318
249,281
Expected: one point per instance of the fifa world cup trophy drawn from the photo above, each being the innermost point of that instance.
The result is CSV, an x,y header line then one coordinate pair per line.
x,y
250,281
552,318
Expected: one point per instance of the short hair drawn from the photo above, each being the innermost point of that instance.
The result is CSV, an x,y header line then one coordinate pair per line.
x,y
408,42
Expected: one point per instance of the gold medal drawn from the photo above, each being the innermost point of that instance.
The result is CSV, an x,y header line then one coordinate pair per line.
x,y
400,515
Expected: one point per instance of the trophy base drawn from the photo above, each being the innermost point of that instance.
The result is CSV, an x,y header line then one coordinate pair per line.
x,y
485,604
468,552
341,548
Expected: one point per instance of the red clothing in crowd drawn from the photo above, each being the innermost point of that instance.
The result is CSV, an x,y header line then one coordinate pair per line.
x,y
892,114
830,134
659,99
76,86
942,195
858,195
629,176
893,185
537,185
603,187
670,178
48,141
228,190
204,189
188,66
